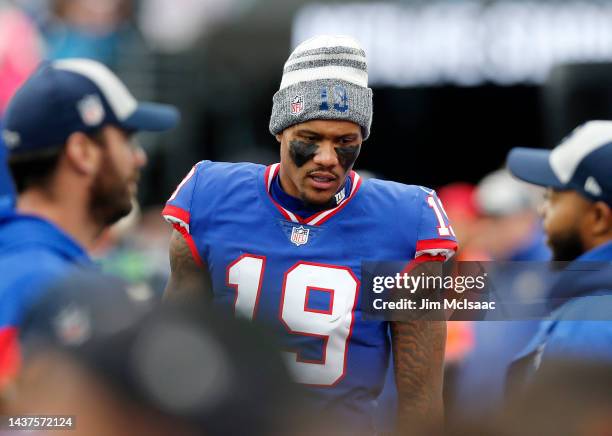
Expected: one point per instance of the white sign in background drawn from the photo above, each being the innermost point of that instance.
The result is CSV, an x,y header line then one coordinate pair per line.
x,y
465,43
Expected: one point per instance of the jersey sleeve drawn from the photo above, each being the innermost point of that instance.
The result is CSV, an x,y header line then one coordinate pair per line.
x,y
178,209
436,239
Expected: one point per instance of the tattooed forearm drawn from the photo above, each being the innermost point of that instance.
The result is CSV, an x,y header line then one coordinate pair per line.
x,y
188,281
418,357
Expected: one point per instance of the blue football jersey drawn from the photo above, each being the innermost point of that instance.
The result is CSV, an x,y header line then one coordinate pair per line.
x,y
303,275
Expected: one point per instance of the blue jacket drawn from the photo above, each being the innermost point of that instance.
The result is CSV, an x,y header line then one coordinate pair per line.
x,y
33,253
580,325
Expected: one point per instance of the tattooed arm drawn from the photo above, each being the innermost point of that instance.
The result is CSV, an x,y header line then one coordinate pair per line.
x,y
188,281
418,360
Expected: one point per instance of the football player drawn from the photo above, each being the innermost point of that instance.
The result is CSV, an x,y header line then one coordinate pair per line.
x,y
283,244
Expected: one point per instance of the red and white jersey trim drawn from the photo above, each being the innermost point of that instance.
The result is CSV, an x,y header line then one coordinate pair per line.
x,y
436,247
176,216
320,217
179,218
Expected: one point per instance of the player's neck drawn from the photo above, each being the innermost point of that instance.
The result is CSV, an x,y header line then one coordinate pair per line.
x,y
296,204
286,185
66,212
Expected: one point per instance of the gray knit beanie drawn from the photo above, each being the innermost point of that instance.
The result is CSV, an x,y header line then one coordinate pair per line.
x,y
325,78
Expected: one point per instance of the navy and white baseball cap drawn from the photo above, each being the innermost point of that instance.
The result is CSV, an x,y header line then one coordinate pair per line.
x,y
76,95
581,162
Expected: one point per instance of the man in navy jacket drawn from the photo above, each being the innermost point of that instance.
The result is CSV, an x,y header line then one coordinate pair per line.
x,y
577,218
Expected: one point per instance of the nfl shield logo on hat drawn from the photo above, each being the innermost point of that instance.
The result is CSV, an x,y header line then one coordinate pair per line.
x,y
299,235
11,139
73,325
297,105
91,110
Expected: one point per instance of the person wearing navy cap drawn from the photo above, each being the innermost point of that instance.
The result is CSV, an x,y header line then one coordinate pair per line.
x,y
101,351
577,218
68,131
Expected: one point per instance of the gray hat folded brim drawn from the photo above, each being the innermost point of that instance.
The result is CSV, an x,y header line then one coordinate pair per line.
x,y
325,99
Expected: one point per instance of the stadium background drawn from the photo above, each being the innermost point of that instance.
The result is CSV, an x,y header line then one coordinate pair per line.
x,y
456,85
220,62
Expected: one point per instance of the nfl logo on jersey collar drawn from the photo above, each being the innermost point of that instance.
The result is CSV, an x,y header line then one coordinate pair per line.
x,y
299,235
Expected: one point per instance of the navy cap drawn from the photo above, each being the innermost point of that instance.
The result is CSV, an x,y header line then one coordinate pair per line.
x,y
581,162
76,95
185,361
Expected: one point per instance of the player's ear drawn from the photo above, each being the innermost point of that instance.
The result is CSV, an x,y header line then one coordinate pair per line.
x,y
602,219
82,153
279,137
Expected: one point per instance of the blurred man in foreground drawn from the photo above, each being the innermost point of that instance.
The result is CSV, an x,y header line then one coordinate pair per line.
x,y
577,217
570,397
100,351
76,167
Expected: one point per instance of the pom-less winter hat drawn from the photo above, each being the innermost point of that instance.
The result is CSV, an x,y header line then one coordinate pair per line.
x,y
325,78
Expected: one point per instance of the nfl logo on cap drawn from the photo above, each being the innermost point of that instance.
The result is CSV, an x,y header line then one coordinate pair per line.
x,y
297,105
299,235
91,110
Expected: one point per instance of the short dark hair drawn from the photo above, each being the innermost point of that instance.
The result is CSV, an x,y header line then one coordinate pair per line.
x,y
34,170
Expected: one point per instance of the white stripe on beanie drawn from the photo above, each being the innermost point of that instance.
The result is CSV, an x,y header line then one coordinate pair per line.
x,y
352,75
335,57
